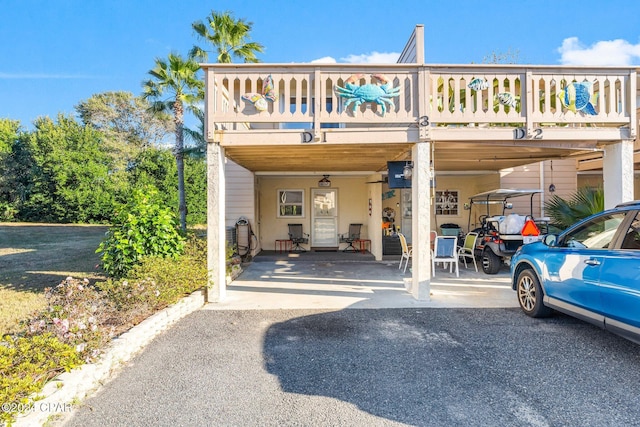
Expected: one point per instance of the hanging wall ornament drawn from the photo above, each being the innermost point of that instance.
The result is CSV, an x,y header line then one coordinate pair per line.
x,y
507,99
381,92
579,97
478,84
259,100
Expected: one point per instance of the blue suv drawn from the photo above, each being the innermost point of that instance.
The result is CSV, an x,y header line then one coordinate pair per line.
x,y
590,271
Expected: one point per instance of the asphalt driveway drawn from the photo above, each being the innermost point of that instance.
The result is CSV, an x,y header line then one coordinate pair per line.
x,y
374,367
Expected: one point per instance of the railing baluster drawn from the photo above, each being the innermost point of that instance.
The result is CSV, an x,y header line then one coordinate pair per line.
x,y
450,101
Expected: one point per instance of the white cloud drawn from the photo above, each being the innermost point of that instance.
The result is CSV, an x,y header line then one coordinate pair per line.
x,y
324,60
607,52
371,58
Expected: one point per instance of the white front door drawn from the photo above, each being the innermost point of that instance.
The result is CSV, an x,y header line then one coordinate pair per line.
x,y
324,217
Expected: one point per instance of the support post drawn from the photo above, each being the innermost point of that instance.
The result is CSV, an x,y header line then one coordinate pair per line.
x,y
216,236
421,221
618,173
375,220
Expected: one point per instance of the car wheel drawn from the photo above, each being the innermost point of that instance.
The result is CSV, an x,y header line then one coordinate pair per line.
x,y
490,262
530,295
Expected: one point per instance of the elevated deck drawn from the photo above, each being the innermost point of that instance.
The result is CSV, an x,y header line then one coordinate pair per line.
x,y
462,109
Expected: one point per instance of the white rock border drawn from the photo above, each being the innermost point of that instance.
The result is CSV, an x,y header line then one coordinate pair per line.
x,y
70,388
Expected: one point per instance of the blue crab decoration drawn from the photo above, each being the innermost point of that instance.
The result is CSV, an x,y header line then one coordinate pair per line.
x,y
379,93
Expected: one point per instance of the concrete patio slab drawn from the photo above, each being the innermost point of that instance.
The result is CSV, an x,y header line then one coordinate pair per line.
x,y
338,281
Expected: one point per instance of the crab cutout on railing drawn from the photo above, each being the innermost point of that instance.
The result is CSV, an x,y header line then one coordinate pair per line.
x,y
379,93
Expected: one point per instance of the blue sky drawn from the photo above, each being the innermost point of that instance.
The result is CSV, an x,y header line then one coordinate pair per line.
x,y
55,53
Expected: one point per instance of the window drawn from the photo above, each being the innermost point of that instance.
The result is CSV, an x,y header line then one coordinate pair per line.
x,y
632,238
447,202
290,203
595,234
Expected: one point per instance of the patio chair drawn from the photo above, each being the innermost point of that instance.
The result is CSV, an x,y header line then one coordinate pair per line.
x,y
432,238
444,251
406,252
297,237
467,250
352,236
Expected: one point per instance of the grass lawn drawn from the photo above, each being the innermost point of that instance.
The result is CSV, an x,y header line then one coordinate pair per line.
x,y
36,256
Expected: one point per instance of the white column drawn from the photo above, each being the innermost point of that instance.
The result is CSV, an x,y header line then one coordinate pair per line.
x,y
421,222
375,220
618,173
216,244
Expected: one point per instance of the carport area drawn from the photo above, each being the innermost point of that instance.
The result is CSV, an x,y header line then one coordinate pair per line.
x,y
325,280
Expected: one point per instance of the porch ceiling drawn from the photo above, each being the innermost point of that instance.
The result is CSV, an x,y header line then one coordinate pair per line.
x,y
448,156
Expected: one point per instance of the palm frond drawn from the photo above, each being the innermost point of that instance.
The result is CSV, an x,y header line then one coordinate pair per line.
x,y
585,202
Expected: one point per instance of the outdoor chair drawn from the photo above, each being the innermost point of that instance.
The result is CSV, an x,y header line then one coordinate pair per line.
x,y
467,250
432,238
297,237
352,236
406,252
444,251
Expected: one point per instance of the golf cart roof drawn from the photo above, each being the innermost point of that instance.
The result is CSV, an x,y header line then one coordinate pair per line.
x,y
500,195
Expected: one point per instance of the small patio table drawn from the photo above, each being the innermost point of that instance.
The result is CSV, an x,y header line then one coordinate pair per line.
x,y
363,244
285,244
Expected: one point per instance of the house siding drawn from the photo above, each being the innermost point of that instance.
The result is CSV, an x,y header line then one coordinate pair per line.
x,y
353,205
240,198
594,179
467,186
563,176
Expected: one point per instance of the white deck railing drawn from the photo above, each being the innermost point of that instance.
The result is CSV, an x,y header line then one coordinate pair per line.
x,y
307,94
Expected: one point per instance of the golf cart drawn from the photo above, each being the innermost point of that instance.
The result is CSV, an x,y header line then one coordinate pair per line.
x,y
499,236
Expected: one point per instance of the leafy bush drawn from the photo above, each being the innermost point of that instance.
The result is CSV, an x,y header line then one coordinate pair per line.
x,y
77,314
81,319
157,282
8,211
134,300
26,364
584,202
142,228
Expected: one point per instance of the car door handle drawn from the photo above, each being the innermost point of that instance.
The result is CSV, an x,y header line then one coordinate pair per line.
x,y
592,262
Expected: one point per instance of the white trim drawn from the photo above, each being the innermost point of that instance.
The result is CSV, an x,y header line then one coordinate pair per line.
x,y
312,173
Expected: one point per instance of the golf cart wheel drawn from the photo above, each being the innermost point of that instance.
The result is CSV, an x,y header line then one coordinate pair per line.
x,y
490,262
530,294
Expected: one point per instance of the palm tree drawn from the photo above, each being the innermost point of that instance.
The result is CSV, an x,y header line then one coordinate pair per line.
x,y
177,79
585,202
229,37
199,148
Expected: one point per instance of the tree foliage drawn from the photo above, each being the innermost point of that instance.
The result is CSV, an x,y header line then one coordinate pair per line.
x,y
198,148
59,173
508,57
585,202
173,84
142,227
125,119
9,130
63,171
229,37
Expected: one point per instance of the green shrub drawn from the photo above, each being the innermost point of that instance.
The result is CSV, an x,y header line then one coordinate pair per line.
x,y
585,202
157,282
134,300
77,314
8,211
142,228
26,364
